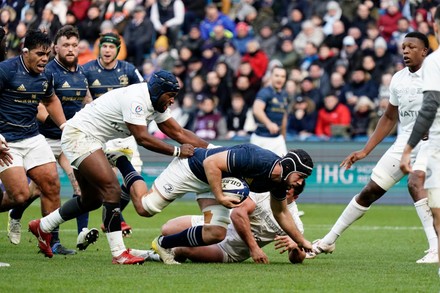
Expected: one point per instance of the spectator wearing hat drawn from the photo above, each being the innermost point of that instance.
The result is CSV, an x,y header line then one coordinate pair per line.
x,y
332,15
351,53
286,54
301,122
210,55
162,55
243,35
267,39
138,35
382,57
212,18
167,17
334,115
89,27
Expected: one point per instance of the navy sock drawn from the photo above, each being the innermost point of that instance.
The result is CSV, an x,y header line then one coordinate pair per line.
x,y
125,200
111,213
128,172
17,212
55,236
82,220
187,238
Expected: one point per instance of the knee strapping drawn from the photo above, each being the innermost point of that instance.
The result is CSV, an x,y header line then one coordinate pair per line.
x,y
154,203
216,215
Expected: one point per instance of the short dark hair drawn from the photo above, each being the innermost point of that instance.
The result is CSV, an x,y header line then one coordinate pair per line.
x,y
420,36
67,31
36,38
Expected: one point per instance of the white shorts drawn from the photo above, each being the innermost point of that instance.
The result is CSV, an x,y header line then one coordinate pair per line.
x,y
387,171
433,170
178,179
55,145
29,153
274,144
77,145
129,143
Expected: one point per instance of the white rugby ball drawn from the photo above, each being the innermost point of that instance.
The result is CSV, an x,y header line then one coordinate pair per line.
x,y
235,187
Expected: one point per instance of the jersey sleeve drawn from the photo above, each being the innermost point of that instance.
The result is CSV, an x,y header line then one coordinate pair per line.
x,y
393,93
162,117
134,111
262,95
431,69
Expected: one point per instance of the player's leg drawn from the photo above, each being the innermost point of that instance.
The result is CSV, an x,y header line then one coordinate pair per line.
x,y
385,175
434,204
210,253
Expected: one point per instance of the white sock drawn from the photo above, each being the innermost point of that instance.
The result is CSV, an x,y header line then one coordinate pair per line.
x,y
51,221
116,243
425,215
352,212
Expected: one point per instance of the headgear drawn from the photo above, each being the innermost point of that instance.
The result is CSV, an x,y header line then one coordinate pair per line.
x,y
162,82
296,161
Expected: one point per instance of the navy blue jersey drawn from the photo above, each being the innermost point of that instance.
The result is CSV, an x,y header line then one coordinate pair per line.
x,y
276,107
102,80
247,161
20,93
70,87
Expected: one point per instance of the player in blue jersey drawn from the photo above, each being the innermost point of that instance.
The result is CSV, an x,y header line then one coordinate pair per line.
x,y
70,85
107,73
262,169
117,114
23,85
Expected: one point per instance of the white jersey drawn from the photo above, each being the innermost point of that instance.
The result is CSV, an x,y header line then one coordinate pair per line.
x,y
406,93
431,70
105,117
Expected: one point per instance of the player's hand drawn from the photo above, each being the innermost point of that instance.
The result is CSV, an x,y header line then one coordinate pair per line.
x,y
229,201
273,128
284,243
306,245
186,150
259,256
405,163
5,156
352,158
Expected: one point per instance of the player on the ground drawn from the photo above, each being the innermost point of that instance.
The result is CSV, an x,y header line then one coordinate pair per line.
x,y
429,120
105,74
262,169
405,101
70,85
119,113
253,227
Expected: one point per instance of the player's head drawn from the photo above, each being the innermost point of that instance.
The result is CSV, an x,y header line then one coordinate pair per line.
x,y
415,47
36,50
163,87
296,161
66,45
109,41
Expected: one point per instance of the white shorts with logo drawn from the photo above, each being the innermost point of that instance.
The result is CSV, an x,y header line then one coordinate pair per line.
x,y
274,144
29,153
76,145
178,179
129,143
387,171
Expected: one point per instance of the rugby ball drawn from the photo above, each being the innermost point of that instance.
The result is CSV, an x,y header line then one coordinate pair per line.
x,y
235,187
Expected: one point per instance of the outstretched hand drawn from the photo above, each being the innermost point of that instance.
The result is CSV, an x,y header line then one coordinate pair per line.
x,y
284,243
352,158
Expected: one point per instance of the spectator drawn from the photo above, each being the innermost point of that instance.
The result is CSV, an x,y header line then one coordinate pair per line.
x,y
196,86
118,12
49,23
310,56
333,14
387,22
351,53
361,118
421,15
308,89
337,84
71,19
219,37
84,53
31,19
15,40
89,27
320,78
162,55
210,56
294,22
236,118
333,113
326,58
80,8
244,34
193,41
382,56
302,119
194,13
214,17
403,28
362,18
167,17
219,93
138,35
334,40
384,87
231,56
209,124
369,65
244,87
309,33
377,114
58,8
225,74
256,58
373,33
267,39
287,54
426,30
360,85
7,18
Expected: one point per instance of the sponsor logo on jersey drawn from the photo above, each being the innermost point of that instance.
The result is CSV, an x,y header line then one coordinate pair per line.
x,y
65,84
96,82
123,79
21,88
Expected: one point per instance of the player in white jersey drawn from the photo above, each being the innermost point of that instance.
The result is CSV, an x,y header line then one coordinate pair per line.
x,y
83,141
405,101
253,227
429,119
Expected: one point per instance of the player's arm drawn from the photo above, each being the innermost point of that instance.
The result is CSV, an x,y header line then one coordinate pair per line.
x,y
240,219
284,125
87,98
55,110
260,115
214,165
383,128
148,141
285,220
5,156
171,128
431,102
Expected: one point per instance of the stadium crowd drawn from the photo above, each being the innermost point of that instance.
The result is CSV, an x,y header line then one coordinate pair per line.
x,y
339,55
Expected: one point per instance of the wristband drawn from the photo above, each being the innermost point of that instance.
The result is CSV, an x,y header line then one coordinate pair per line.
x,y
62,125
176,152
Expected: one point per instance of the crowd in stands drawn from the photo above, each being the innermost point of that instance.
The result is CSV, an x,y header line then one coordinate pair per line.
x,y
339,55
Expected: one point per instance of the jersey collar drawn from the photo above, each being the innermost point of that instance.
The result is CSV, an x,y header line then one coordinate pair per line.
x,y
102,67
62,66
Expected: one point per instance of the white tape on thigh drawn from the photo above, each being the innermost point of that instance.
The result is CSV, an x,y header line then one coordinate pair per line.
x,y
217,215
434,198
154,203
